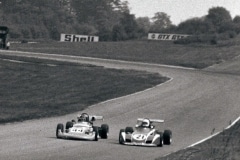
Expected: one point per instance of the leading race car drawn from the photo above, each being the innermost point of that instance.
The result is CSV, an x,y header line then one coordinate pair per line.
x,y
145,134
83,128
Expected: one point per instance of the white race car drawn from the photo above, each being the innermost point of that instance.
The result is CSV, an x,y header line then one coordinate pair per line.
x,y
83,128
145,134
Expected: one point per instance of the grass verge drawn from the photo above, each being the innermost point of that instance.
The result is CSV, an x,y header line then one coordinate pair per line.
x,y
194,56
33,88
224,146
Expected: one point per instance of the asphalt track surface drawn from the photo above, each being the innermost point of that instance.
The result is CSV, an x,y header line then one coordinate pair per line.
x,y
193,103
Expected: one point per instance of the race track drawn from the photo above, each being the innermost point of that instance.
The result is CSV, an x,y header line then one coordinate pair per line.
x,y
193,103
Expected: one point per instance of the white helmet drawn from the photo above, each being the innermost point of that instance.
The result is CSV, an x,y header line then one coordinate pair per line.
x,y
83,117
146,123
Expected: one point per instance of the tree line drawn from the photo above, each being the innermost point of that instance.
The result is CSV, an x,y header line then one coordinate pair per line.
x,y
111,20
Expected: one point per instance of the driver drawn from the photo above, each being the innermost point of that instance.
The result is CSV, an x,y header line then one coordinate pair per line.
x,y
145,123
83,118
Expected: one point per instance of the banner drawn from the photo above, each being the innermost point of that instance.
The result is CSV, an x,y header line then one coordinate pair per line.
x,y
78,38
166,37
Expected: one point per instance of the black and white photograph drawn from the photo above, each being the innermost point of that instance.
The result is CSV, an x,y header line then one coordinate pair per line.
x,y
119,80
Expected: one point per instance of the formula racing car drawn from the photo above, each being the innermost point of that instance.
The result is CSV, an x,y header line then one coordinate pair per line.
x,y
83,128
145,134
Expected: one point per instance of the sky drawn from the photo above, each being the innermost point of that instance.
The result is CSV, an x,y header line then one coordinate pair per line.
x,y
181,10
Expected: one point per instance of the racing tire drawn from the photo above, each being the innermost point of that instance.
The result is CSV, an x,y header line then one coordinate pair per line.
x,y
160,143
95,129
121,140
59,127
69,125
104,131
167,137
129,130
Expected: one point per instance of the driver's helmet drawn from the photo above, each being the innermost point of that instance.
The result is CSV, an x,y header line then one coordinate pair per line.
x,y
146,123
83,118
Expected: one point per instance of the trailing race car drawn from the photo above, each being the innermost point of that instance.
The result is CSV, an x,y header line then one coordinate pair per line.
x,y
145,134
83,128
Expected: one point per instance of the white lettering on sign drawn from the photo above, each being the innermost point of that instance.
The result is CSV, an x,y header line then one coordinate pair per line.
x,y
166,37
78,38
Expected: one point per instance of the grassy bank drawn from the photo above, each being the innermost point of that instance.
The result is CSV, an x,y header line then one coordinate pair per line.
x,y
36,88
195,56
225,146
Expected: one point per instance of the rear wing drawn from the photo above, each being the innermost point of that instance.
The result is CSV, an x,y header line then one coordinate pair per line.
x,y
151,120
94,118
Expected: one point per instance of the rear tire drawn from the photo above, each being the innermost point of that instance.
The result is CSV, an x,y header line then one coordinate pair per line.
x,y
121,140
104,131
167,137
59,127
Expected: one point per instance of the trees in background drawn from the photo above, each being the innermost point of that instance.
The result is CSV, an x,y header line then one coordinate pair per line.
x,y
217,21
144,25
195,26
236,23
109,19
31,19
216,25
219,17
161,21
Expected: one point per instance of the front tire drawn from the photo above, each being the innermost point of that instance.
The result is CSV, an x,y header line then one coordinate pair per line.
x,y
95,129
121,140
59,127
69,125
129,130
104,131
167,137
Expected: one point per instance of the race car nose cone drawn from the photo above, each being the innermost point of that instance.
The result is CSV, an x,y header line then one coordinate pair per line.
x,y
139,137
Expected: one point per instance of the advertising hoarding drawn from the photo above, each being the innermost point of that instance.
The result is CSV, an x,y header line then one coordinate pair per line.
x,y
78,38
166,36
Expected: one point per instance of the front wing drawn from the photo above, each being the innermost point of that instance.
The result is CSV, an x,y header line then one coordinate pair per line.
x,y
76,136
140,144
128,140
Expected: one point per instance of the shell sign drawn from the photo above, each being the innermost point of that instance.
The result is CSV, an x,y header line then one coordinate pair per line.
x,y
78,38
